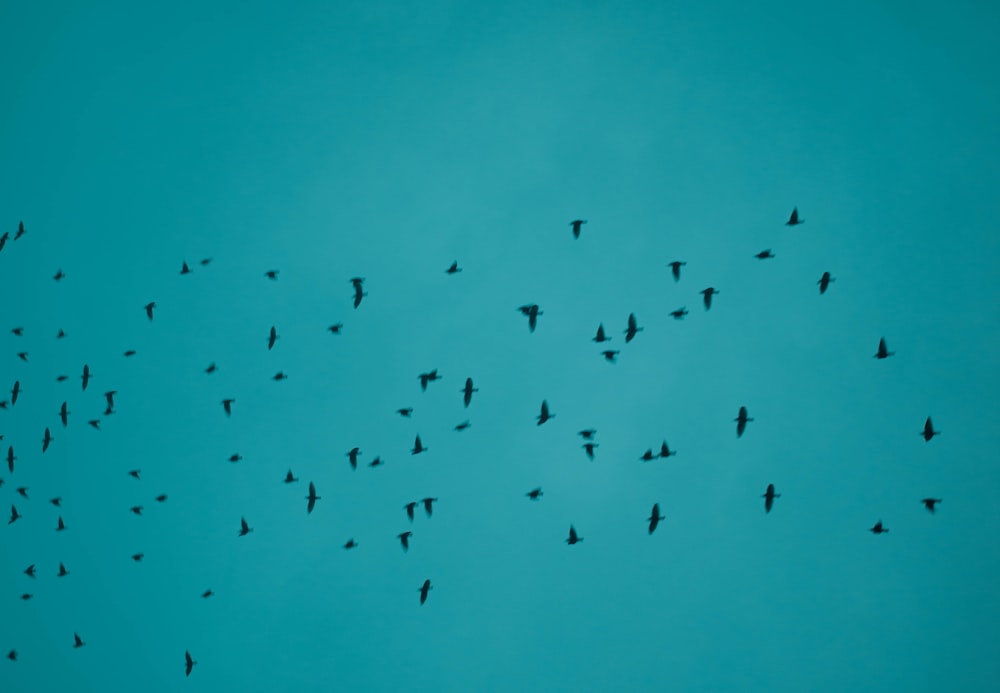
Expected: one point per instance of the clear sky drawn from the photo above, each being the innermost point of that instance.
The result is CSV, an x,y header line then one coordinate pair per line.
x,y
387,140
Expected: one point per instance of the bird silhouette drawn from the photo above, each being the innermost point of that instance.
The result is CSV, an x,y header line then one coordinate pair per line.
x,y
793,218
426,378
573,536
454,268
109,397
64,414
929,503
609,355
741,421
60,525
30,571
883,352
633,328
708,293
377,462
405,412
336,328
589,449
23,355
272,338
358,292
59,275
648,456
675,269
429,505
352,457
10,458
57,501
23,492
63,572
877,528
12,655
14,515
588,433
162,498
418,447
312,498
188,663
129,352
206,594
26,596
545,415
136,509
679,313
409,509
929,431
601,337
86,376
462,426
279,376
769,495
149,310
211,368
184,268
764,255
824,282
576,224
19,331
95,424
205,261
290,478
272,274
655,517
61,334
534,494
137,557
235,457
227,405
245,529
350,544
78,641
467,391
404,539
665,450
47,439
424,589
20,230
532,311
14,392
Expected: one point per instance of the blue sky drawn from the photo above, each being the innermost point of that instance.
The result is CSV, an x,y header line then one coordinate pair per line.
x,y
385,140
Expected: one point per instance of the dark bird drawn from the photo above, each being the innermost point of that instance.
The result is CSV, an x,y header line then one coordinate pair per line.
x,y
134,473
3,239
601,337
532,311
377,462
245,529
136,510
60,525
544,415
205,261
109,397
235,457
206,594
350,544
409,509
588,434
312,498
467,391
883,352
59,275
633,328
10,458
272,338
78,641
534,494
22,491
227,404
405,412
30,571
64,414
86,376
20,230
137,557
129,352
404,539
655,517
95,423
665,450
609,355
337,328
589,449
675,269
648,456
47,439
424,589
793,218
14,392
12,655
824,282
61,334
62,570
290,478
576,224
188,663
19,331
26,596
162,498
573,537
62,378
149,309
185,269
418,447
878,528
769,495
428,505
708,296
279,376
679,313
14,515
211,368
271,274
741,421
23,355
462,426
929,431
929,503
57,501
425,378
764,255
454,269
359,293
352,457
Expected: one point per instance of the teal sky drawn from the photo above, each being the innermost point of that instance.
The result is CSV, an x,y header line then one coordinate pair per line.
x,y
386,140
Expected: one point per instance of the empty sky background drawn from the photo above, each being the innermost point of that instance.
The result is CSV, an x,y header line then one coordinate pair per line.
x,y
385,140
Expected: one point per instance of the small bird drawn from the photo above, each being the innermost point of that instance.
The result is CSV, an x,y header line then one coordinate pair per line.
x,y
290,478
57,501
741,421
409,509
424,589
162,498
929,503
665,450
708,293
95,423
14,515
878,528
20,230
601,337
929,431
206,594
352,457
532,311
235,457
454,269
227,404
279,376
312,498
647,456
30,571
137,557
609,355
19,331
404,539
23,492
350,544
467,391
272,274
462,426
61,334
245,529
418,447
272,338
129,352
60,526
359,293
62,378
10,458
544,415
211,368
633,328
3,239
764,255
205,261
589,449
14,392
136,510
149,310
428,505
576,224
26,596
336,329
188,663
405,412
883,352
573,536
47,439
377,462
675,269
425,378
23,355
534,494
679,313
63,572
184,268
78,641
588,433
12,655
824,282
793,218
59,275
64,414
655,517
109,397
769,495
86,376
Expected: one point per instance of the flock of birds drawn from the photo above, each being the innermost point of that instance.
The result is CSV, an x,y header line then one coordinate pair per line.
x,y
531,311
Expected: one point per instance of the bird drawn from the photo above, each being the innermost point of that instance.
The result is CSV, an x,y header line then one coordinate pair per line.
x,y
290,478
405,412
418,447
609,355
589,449
12,655
3,239
30,571
47,439
10,458
467,391
648,456
929,503
454,268
793,218
424,589
206,594
63,572
272,338
14,515
426,378
20,230
633,328
708,296
188,663
134,473
532,311
601,337
235,457
227,404
675,269
929,431
211,368
245,529
61,334
14,392
136,510
769,495
272,274
62,378
336,328
883,352
655,517
26,596
23,492
129,352
57,501
377,462
162,498
544,415
312,498
59,275
149,310
23,355
428,505
86,376
665,450
184,268
588,433
109,397
78,641
205,261
877,528
352,457
409,509
534,494
60,525
764,254
824,282
462,426
359,293
679,313
95,423
741,421
350,544
64,414
137,557
19,331
576,224
404,539
279,376
573,536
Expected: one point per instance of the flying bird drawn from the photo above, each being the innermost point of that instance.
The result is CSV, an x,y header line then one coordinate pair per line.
x,y
137,557
405,412
95,423
675,269
188,663
665,450
312,498
404,539
708,296
227,404
211,368
30,571
86,376
454,269
279,376
769,495
359,293
428,505
149,310
352,457
134,473
78,641
532,311
60,525
23,492
534,494
462,426
245,529
14,515
20,230
12,655
336,329
648,456
59,275
136,510
184,268
467,391
409,509
129,352
589,449
377,462
47,439
424,589
824,282
543,416
162,498
418,447
61,334
19,331
57,501
205,261
655,517
929,503
741,421
633,328
679,313
877,528
10,458
272,274
235,457
929,431
272,338
573,536
764,255
206,594
576,224
350,544
109,397
14,392
63,572
64,414
588,434
609,355
883,352
290,478
425,378
793,218
23,355
601,337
